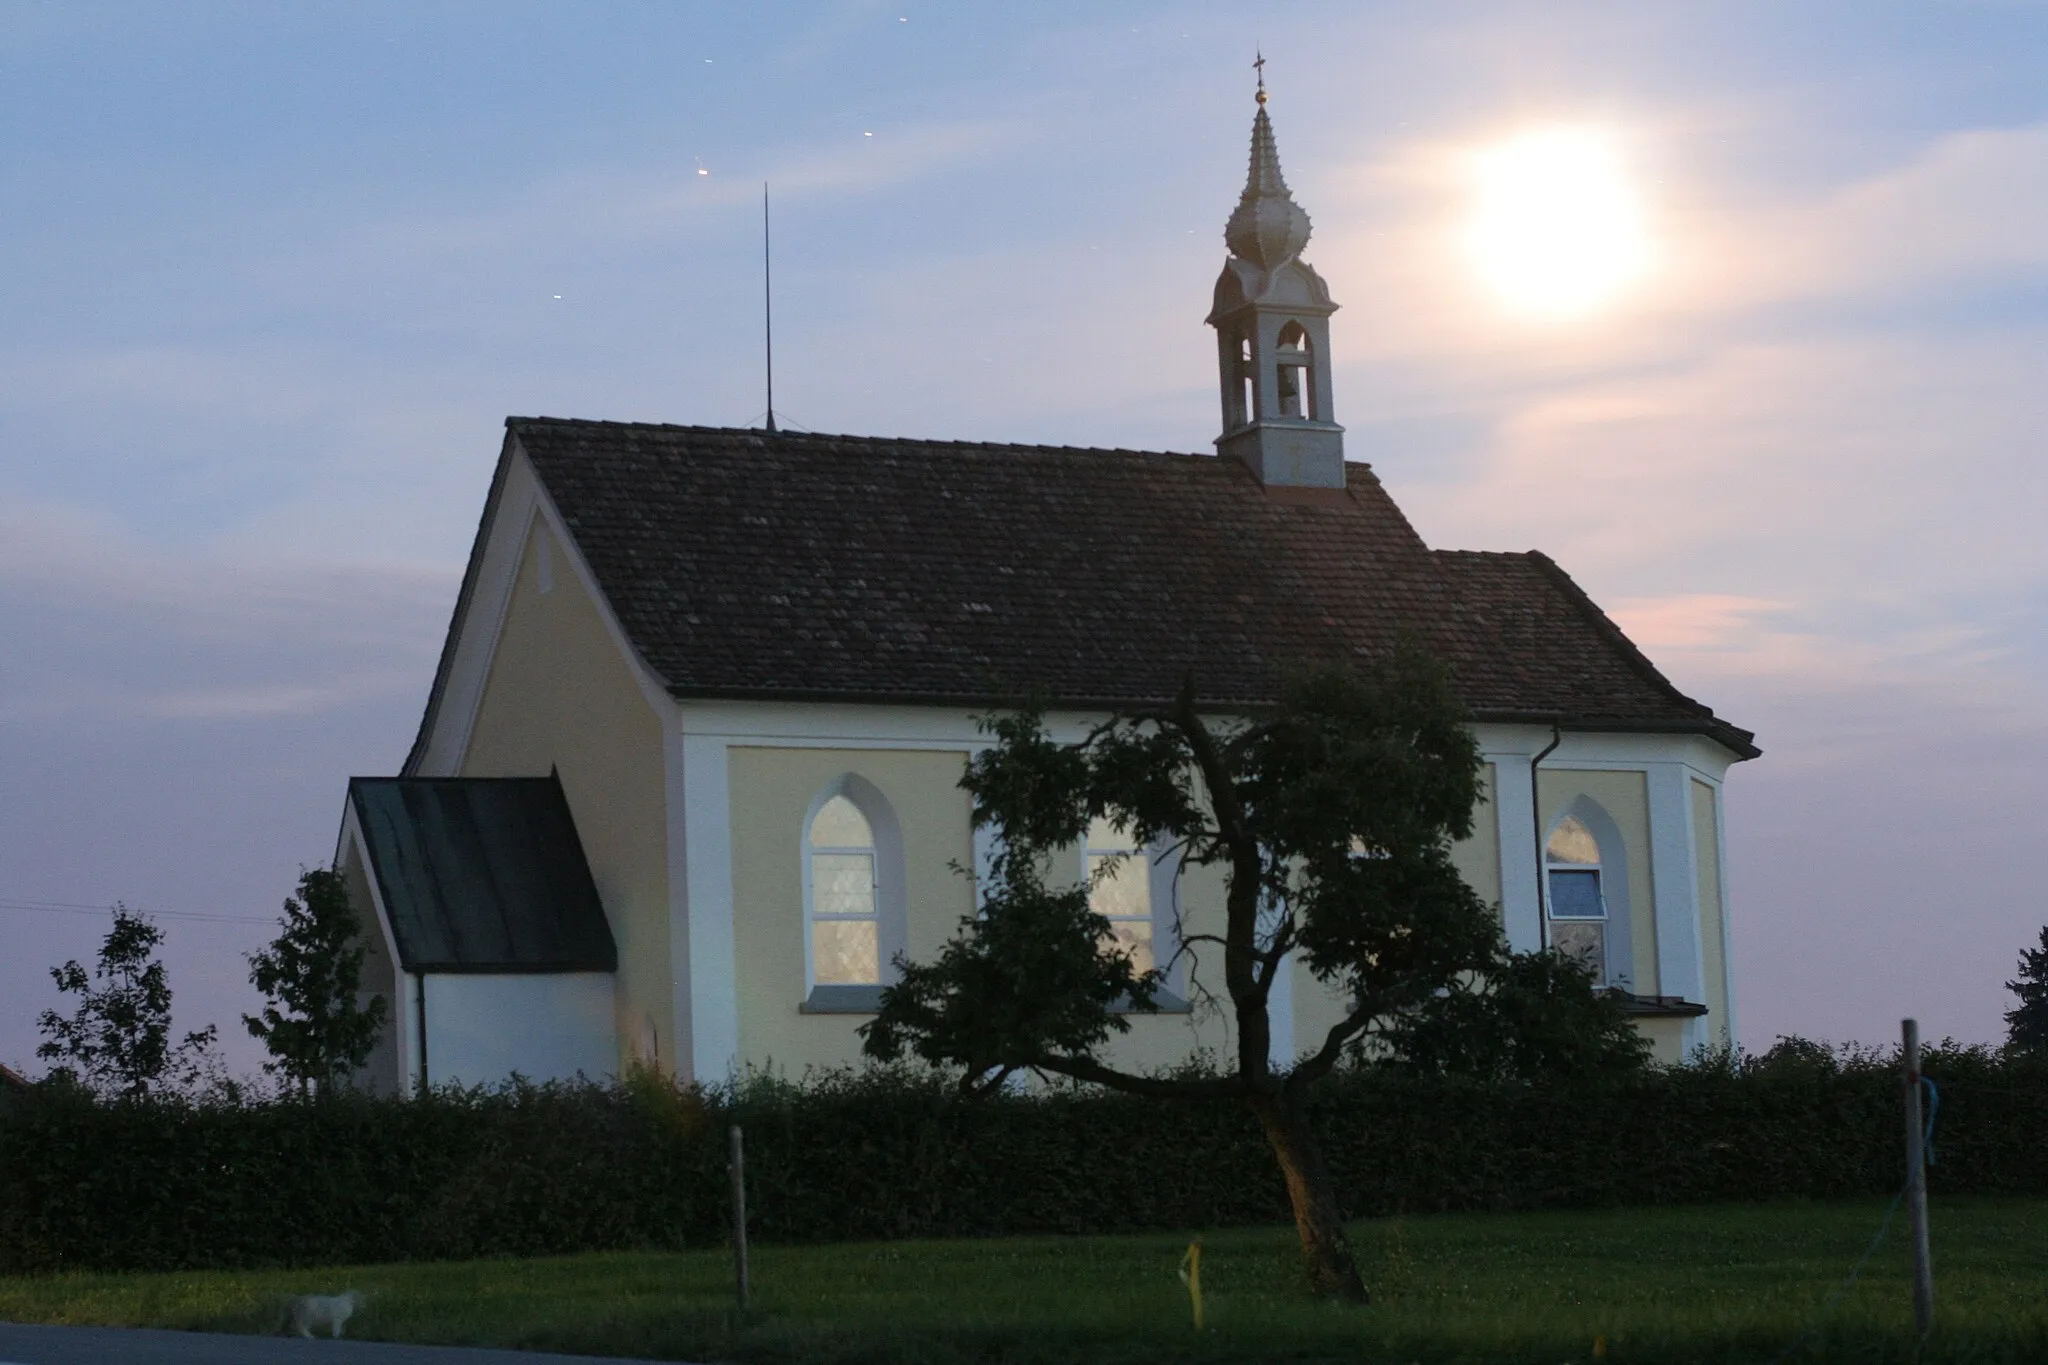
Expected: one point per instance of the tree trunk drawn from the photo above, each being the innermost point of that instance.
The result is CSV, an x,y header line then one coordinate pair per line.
x,y
1325,1251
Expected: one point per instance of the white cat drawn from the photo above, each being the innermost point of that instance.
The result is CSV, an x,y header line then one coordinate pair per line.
x,y
331,1311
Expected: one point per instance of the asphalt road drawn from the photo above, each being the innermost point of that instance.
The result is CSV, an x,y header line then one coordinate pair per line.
x,y
25,1345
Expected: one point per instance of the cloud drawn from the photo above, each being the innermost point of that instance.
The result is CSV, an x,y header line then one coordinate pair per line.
x,y
126,630
1696,621
607,208
1881,863
1969,206
1885,470
250,385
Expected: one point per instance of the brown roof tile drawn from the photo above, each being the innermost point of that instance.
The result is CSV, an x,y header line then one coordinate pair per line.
x,y
744,563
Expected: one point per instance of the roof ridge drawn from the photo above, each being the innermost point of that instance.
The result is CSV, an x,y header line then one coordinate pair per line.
x,y
515,423
451,777
1483,554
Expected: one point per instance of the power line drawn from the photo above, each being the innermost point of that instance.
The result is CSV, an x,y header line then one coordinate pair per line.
x,y
79,908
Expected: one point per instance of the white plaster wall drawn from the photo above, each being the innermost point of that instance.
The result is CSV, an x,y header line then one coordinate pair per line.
x,y
392,1065
382,1073
547,1026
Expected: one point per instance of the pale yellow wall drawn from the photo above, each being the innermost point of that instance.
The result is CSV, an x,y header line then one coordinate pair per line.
x,y
1667,1039
1317,1007
1625,797
772,792
1478,858
1707,858
1157,1042
561,694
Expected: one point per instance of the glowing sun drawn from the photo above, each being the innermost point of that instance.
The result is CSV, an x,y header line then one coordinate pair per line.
x,y
1557,230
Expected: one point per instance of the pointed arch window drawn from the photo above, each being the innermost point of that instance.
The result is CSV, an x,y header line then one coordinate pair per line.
x,y
1576,902
845,947
855,919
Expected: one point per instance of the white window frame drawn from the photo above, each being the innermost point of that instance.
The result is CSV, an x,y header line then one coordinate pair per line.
x,y
1617,965
891,929
1160,893
1128,850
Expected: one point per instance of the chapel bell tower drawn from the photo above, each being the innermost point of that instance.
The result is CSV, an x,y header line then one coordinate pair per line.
x,y
1272,321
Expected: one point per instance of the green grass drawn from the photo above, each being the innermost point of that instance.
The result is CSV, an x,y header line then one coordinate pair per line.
x,y
1713,1284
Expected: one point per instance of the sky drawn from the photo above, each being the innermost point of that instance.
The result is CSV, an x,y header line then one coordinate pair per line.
x,y
271,277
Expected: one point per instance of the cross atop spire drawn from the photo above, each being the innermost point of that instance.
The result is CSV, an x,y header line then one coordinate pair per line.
x,y
1267,228
1260,67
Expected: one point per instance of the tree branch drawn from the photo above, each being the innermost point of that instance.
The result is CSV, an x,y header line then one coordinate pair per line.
x,y
1283,940
1248,993
986,1083
1321,1062
1156,1087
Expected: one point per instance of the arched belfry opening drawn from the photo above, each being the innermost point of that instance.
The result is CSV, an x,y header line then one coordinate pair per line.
x,y
1294,372
1240,402
1272,320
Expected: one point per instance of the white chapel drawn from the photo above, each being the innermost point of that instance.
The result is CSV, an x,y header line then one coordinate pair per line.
x,y
687,780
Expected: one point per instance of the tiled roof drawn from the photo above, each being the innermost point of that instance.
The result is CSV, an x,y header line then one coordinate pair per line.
x,y
745,563
1528,640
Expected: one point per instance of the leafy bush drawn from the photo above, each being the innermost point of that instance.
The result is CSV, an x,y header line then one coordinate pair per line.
x,y
1530,1016
166,1183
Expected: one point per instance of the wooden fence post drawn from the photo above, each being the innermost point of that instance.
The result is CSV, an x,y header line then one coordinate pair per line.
x,y
736,1164
1916,1182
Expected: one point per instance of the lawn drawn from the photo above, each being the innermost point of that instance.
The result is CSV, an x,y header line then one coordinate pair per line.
x,y
1709,1284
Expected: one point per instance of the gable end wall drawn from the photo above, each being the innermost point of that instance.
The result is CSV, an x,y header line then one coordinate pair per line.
x,y
560,694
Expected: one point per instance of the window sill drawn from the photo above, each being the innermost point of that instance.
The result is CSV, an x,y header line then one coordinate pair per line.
x,y
1163,1002
842,1000
1655,1006
868,1000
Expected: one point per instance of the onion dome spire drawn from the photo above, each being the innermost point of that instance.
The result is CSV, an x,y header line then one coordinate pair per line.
x,y
1267,227
1271,312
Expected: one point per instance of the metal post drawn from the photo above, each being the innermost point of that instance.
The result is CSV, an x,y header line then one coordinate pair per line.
x,y
1916,1183
767,308
736,1165
1542,849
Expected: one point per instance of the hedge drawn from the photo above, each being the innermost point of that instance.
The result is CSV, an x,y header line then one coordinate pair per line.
x,y
174,1184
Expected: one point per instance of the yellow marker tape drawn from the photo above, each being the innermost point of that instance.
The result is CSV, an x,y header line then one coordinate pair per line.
x,y
1191,1276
